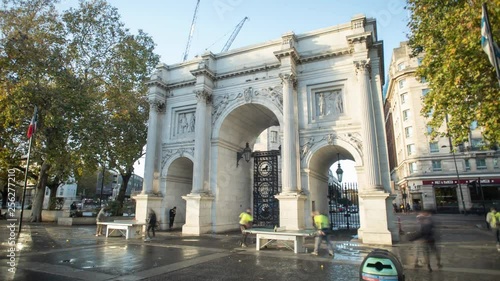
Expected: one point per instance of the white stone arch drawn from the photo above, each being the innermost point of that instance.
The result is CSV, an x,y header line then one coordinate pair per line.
x,y
271,99
351,148
230,185
168,158
173,187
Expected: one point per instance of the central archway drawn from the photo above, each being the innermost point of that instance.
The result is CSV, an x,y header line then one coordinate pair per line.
x,y
232,183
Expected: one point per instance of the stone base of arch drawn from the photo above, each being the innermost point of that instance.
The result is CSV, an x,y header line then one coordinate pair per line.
x,y
377,219
144,202
292,210
198,214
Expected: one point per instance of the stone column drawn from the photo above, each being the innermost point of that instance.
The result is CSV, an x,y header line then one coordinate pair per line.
x,y
372,170
156,106
289,146
201,143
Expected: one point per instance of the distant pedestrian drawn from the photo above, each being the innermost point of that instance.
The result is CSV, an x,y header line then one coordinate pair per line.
x,y
151,224
395,207
323,232
493,218
72,209
100,218
171,216
246,220
408,207
402,208
426,234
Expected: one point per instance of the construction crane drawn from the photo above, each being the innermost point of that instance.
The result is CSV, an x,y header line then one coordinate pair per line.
x,y
233,35
186,52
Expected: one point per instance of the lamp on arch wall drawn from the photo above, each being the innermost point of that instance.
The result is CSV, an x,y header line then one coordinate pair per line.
x,y
339,171
245,154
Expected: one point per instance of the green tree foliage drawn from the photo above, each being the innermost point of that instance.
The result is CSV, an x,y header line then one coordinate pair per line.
x,y
84,71
463,82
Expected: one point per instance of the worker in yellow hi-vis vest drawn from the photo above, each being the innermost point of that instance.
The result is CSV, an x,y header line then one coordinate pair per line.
x,y
323,232
246,220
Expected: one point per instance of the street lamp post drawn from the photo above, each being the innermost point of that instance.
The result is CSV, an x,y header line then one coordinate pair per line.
x,y
458,178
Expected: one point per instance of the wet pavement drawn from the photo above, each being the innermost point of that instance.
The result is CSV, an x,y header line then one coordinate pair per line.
x,y
47,251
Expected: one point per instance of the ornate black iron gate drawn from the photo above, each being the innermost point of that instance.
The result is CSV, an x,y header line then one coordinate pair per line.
x,y
343,205
265,186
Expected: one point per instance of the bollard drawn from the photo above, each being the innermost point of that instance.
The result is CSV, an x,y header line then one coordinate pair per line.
x,y
381,265
400,227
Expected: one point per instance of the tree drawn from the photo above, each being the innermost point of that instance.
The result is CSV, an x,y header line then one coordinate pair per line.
x,y
462,81
124,63
35,71
64,64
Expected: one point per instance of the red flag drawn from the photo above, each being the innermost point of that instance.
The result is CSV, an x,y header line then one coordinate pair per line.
x,y
32,127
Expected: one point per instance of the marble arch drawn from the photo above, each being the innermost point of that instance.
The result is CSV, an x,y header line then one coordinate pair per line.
x,y
323,88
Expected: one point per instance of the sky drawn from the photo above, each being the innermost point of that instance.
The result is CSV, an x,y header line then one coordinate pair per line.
x,y
168,22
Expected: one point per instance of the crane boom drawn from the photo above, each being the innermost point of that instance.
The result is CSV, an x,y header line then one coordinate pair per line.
x,y
191,32
233,35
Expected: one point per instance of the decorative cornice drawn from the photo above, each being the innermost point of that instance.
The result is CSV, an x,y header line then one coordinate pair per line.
x,y
246,71
203,71
181,84
288,53
365,37
326,55
158,83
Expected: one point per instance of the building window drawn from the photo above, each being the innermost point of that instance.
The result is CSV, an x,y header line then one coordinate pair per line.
x,y
434,147
495,163
406,114
402,83
413,167
423,80
404,97
401,66
429,129
436,165
467,165
409,132
411,149
425,92
274,136
419,61
480,163
61,191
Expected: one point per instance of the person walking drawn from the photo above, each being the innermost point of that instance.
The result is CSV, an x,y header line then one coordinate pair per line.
x,y
323,232
426,234
246,220
151,224
100,218
171,216
493,219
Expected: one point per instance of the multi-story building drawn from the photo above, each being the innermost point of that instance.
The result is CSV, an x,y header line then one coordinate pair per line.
x,y
426,173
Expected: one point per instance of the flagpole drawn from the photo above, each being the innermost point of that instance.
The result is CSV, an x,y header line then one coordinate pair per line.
x,y
26,180
491,42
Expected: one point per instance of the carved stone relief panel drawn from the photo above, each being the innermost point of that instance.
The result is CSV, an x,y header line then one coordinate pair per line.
x,y
183,122
329,103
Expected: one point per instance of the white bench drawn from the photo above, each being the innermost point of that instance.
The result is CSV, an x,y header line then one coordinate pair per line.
x,y
265,236
128,228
